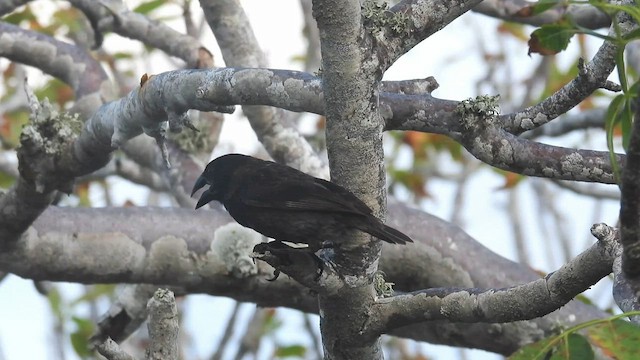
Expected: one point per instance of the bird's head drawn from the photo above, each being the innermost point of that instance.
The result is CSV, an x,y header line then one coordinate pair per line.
x,y
218,175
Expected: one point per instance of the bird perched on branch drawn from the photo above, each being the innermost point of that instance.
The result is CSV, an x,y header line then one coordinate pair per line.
x,y
286,204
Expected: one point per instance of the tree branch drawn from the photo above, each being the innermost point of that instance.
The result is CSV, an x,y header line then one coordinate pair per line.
x,y
594,118
163,326
112,351
484,138
80,245
301,92
121,20
522,302
350,78
67,62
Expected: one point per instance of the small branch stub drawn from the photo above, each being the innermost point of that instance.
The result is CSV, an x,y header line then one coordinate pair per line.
x,y
44,144
112,351
163,326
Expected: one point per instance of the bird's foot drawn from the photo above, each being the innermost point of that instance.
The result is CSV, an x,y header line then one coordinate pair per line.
x,y
285,257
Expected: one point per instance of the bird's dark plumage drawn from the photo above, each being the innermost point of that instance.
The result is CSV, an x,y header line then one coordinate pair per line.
x,y
286,204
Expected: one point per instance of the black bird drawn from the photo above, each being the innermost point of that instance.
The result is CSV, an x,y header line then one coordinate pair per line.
x,y
286,204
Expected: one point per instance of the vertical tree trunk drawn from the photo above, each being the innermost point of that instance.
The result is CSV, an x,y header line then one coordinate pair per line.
x,y
354,144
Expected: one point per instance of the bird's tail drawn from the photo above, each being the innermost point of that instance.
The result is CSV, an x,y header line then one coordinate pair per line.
x,y
388,234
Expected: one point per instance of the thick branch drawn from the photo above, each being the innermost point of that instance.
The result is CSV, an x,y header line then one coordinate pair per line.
x,y
484,138
301,92
80,245
630,202
625,289
523,302
69,63
350,78
45,168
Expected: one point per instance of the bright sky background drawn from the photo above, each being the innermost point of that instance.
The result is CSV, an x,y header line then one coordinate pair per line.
x,y
449,56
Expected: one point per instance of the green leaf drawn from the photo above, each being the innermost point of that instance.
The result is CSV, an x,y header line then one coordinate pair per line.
x,y
614,338
290,351
620,65
626,122
6,181
576,347
633,35
146,8
551,39
271,323
80,337
612,119
566,346
542,349
617,339
56,303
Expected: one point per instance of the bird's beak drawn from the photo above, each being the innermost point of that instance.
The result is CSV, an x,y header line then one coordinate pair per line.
x,y
205,198
200,183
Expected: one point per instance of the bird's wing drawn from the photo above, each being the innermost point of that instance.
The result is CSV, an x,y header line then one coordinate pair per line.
x,y
303,193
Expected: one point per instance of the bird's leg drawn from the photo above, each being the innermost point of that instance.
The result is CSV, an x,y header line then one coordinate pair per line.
x,y
320,264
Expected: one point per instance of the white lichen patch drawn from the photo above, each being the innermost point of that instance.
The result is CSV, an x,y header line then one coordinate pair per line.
x,y
233,245
540,119
258,77
169,255
452,304
484,151
573,163
526,123
87,250
293,85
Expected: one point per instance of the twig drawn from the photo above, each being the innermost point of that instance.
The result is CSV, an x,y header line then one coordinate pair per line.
x,y
228,333
516,226
250,342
